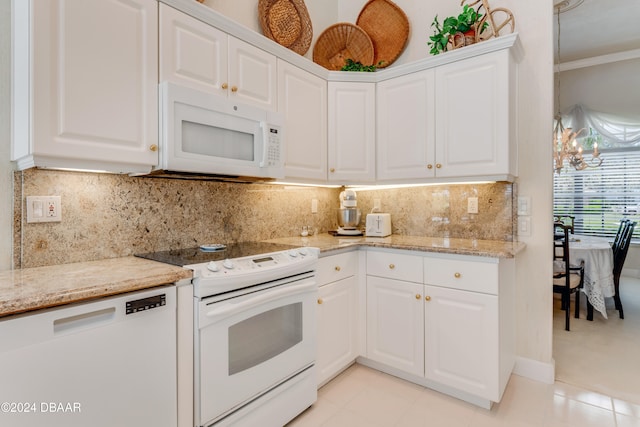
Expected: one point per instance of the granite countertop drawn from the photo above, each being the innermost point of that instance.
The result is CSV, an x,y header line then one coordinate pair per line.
x,y
486,248
41,287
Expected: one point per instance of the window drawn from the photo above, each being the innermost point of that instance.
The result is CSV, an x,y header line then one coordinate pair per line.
x,y
598,198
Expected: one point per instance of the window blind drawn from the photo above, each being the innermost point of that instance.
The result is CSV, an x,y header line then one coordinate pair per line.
x,y
599,198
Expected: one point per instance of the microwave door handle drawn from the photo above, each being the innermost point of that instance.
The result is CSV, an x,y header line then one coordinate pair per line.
x,y
265,143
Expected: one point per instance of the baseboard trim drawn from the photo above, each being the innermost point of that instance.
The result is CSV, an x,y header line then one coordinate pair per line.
x,y
535,370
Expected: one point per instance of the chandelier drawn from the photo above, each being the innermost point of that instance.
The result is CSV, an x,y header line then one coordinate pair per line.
x,y
565,145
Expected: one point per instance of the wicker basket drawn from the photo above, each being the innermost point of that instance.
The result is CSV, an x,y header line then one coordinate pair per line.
x,y
287,23
340,42
388,27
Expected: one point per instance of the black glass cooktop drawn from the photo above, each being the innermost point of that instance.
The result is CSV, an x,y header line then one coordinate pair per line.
x,y
182,257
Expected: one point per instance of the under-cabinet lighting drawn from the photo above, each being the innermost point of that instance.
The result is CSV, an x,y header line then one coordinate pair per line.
x,y
430,184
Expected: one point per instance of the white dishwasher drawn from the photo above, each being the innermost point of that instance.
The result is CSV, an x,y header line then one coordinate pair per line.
x,y
105,363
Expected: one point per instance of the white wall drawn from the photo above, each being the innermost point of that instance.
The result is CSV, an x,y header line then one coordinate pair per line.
x,y
6,187
609,88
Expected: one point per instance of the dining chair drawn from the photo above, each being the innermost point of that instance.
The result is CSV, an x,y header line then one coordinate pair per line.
x,y
567,220
567,280
619,256
624,222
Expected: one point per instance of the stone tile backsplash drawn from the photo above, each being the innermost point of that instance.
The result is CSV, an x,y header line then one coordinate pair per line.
x,y
107,216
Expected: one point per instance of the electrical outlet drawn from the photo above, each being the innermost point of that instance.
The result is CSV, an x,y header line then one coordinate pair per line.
x,y
44,209
524,226
472,205
314,205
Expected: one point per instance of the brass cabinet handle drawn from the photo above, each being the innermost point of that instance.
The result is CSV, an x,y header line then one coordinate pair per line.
x,y
332,170
234,88
225,86
337,268
438,165
427,298
153,147
320,301
418,296
429,166
391,266
457,275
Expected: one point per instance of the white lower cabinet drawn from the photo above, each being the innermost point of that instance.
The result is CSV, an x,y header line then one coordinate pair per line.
x,y
395,327
450,328
337,312
461,340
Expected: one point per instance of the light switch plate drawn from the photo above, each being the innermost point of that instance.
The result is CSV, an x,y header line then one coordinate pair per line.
x,y
44,209
524,226
524,205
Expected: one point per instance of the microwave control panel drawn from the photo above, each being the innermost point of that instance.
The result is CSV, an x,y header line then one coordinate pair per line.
x,y
274,152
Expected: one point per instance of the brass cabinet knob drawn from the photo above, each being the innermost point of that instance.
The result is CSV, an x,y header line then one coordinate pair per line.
x,y
320,301
153,147
438,165
225,86
427,298
429,166
234,89
418,296
391,266
332,170
457,275
337,268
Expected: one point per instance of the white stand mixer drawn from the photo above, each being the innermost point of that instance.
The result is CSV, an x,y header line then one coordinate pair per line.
x,y
348,214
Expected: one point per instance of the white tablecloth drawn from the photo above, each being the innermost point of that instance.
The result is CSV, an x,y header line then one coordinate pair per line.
x,y
598,268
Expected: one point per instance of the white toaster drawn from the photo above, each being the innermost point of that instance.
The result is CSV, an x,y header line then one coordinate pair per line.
x,y
378,225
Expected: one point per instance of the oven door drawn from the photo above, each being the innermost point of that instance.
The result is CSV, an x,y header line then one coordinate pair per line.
x,y
249,344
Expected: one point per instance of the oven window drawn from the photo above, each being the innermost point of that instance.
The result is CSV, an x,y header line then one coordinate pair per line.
x,y
263,336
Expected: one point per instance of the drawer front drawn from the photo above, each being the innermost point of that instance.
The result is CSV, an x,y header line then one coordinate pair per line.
x,y
463,274
336,267
396,266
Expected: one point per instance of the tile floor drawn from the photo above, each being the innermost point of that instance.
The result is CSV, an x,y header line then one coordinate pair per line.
x,y
363,397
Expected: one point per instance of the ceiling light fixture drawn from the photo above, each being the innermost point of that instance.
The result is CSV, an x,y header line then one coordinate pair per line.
x,y
565,145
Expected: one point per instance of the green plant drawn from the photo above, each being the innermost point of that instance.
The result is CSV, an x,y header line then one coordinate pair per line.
x,y
465,21
351,65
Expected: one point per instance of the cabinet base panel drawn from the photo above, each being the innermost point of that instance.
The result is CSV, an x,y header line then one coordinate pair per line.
x,y
470,398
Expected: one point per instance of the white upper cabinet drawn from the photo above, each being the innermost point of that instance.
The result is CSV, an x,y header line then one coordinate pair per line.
x,y
86,84
198,55
302,99
475,126
405,118
351,140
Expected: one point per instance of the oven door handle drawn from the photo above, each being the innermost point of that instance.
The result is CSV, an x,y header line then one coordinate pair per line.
x,y
228,307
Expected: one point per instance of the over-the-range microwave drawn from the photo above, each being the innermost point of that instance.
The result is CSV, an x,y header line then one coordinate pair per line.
x,y
208,134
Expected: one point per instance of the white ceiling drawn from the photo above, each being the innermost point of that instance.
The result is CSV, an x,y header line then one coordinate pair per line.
x,y
598,27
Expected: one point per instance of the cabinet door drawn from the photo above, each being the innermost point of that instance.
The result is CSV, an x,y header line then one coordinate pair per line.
x,y
337,317
252,75
405,120
395,324
95,84
351,144
461,340
302,99
473,117
192,53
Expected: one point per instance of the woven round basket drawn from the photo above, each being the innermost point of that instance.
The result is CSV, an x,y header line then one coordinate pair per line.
x,y
340,42
287,23
388,27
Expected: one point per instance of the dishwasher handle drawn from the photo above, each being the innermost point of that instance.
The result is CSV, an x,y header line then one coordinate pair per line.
x,y
223,309
84,320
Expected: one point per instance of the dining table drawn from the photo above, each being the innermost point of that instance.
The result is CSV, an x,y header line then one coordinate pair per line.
x,y
598,269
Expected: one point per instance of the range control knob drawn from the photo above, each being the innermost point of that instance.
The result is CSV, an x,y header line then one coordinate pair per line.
x,y
212,266
228,264
293,253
